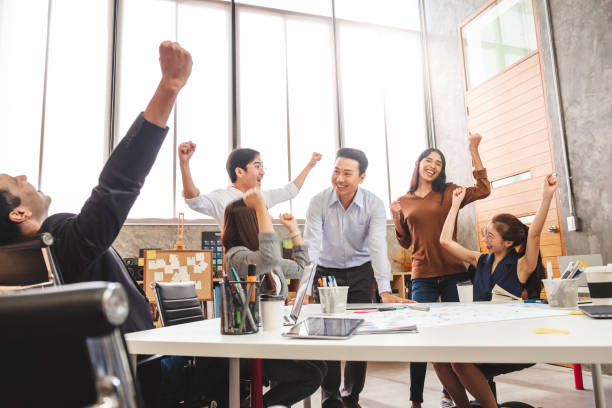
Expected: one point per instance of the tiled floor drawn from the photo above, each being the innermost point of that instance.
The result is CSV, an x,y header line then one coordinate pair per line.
x,y
388,386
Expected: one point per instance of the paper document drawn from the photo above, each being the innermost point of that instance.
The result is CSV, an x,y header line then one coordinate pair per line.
x,y
386,326
501,295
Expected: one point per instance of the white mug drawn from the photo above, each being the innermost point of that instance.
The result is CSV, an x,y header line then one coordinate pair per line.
x,y
271,307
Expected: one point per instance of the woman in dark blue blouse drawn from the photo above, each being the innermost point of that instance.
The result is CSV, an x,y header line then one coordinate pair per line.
x,y
515,264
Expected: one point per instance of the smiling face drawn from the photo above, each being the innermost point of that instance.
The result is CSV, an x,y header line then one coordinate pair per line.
x,y
494,241
252,176
346,177
430,167
32,200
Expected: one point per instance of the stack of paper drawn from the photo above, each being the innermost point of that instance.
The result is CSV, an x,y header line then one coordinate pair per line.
x,y
501,295
386,326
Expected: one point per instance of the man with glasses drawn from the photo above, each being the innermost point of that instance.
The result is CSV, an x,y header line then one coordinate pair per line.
x,y
245,169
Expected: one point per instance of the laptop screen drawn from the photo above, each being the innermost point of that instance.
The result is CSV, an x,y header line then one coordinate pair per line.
x,y
305,283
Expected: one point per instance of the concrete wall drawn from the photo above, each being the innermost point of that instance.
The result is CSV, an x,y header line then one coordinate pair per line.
x,y
583,44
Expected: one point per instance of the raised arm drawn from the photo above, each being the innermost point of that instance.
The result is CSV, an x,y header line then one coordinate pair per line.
x,y
482,188
299,180
185,151
527,263
401,230
446,238
253,199
103,214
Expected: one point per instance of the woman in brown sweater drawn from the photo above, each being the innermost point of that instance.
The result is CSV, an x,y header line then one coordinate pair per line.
x,y
419,217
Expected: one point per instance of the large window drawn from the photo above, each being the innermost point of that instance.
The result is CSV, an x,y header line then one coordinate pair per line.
x,y
305,81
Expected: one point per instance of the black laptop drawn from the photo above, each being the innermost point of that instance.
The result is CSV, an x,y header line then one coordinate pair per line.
x,y
597,311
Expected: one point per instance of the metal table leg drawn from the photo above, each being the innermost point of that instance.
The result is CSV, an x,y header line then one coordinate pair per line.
x,y
598,389
234,383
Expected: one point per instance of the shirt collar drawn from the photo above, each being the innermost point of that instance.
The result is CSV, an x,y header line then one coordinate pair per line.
x,y
357,200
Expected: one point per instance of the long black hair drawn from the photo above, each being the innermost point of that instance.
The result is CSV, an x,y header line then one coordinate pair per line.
x,y
439,184
511,229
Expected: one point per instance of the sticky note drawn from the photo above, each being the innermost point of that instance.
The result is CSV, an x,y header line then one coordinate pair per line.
x,y
167,269
152,264
198,285
151,254
140,261
197,269
203,265
174,261
199,256
159,276
191,261
546,330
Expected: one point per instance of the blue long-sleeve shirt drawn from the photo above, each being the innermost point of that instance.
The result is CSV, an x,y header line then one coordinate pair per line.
x,y
339,238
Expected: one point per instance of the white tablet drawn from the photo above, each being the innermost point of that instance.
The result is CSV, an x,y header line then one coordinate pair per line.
x,y
324,328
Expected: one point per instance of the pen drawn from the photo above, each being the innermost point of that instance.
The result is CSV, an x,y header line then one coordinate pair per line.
x,y
333,278
243,300
320,283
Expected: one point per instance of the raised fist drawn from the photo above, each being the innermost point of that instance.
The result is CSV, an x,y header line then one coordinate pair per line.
x,y
185,151
175,64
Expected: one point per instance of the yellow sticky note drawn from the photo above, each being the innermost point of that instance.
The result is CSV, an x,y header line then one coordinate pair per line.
x,y
576,313
151,254
546,330
140,261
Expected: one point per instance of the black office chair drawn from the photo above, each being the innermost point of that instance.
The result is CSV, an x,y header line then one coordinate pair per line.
x,y
30,262
508,404
61,347
177,303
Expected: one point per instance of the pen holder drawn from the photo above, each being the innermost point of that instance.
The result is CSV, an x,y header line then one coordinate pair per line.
x,y
562,293
333,299
239,307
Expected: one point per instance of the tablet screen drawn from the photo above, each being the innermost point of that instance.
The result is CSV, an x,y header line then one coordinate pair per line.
x,y
324,327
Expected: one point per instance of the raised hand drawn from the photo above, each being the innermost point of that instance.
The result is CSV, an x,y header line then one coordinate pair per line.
x,y
396,209
289,221
175,64
253,199
458,195
474,140
316,157
185,151
550,186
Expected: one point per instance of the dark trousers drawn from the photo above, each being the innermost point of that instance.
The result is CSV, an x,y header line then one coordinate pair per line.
x,y
295,380
360,281
428,290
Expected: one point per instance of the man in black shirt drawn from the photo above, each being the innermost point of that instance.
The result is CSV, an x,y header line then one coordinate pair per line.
x,y
82,242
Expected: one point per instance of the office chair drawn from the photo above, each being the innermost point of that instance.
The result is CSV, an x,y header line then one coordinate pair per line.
x,y
29,262
178,303
62,347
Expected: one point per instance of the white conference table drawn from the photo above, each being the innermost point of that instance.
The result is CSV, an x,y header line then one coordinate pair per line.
x,y
589,341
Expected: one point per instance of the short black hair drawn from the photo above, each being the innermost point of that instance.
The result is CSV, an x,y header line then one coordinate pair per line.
x,y
9,231
355,154
239,158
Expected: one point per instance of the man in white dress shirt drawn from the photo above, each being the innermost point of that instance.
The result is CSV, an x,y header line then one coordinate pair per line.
x,y
245,169
346,233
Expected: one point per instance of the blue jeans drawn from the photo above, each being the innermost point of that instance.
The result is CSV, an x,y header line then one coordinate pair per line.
x,y
428,290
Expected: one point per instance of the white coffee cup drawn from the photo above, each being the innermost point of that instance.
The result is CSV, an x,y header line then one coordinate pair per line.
x,y
599,279
271,307
465,291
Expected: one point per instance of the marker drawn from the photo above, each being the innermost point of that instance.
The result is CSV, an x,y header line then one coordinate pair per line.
x,y
251,277
334,281
320,283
